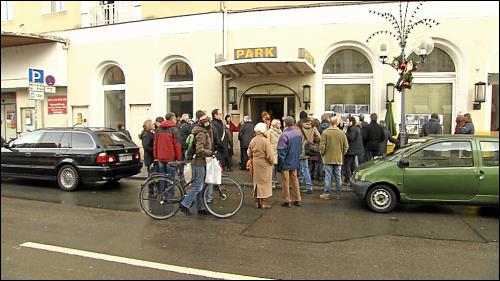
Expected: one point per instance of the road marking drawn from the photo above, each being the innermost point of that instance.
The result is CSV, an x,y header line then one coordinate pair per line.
x,y
136,262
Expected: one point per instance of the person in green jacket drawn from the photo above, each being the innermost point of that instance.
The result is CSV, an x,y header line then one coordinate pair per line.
x,y
333,147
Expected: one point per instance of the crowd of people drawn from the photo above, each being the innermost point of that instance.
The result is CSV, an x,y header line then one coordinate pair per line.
x,y
303,151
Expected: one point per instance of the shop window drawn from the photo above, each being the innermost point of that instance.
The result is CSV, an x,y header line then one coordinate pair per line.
x,y
347,99
347,61
178,82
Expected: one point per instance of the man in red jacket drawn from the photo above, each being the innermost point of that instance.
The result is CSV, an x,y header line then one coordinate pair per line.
x,y
166,148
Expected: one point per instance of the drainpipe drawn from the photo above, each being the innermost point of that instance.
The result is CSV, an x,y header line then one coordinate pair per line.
x,y
224,80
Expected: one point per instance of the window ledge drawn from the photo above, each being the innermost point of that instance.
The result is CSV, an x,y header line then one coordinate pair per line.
x,y
55,14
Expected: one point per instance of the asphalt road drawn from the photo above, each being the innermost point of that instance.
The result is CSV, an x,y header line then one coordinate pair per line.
x,y
334,239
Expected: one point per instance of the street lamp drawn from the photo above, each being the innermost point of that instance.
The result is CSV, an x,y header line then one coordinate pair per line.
x,y
389,92
479,94
404,65
231,95
306,96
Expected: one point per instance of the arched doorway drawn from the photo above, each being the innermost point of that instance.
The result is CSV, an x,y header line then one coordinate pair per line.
x,y
431,92
347,82
113,83
178,84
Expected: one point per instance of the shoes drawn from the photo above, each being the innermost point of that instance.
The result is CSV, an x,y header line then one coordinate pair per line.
x,y
286,204
203,212
306,191
297,203
325,196
264,204
185,210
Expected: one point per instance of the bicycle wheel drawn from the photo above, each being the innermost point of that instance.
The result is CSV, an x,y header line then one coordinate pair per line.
x,y
226,200
160,197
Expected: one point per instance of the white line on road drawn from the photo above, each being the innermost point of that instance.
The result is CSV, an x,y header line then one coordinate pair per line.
x,y
155,265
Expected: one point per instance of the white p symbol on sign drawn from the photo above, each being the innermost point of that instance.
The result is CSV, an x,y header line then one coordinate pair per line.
x,y
35,75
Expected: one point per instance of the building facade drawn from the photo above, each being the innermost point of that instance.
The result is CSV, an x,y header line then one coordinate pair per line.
x,y
128,61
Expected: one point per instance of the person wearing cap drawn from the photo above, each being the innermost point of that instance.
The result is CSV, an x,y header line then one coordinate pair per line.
x,y
289,150
204,148
262,155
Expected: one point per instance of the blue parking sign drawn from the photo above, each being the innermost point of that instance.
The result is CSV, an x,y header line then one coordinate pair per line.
x,y
35,75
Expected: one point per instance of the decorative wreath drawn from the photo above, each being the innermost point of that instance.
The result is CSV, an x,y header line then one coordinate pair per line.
x,y
405,69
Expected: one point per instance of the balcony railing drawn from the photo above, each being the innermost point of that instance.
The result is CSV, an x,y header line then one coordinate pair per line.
x,y
111,13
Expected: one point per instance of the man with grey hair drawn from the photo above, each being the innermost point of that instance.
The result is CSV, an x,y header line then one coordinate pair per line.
x,y
245,135
289,150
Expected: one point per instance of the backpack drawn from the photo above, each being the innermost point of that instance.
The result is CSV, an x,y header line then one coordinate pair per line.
x,y
191,147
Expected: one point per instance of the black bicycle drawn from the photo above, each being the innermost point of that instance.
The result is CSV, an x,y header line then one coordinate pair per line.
x,y
161,194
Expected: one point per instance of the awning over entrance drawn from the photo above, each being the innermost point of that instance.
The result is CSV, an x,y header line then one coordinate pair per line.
x,y
14,39
264,67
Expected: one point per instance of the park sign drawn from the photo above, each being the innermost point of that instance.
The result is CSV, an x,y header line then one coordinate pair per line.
x,y
253,53
36,84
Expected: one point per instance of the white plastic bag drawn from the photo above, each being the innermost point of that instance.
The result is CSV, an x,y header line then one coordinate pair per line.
x,y
188,173
214,171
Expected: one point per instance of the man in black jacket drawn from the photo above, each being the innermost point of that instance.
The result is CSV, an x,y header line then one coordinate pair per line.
x,y
221,139
245,136
355,141
373,135
432,127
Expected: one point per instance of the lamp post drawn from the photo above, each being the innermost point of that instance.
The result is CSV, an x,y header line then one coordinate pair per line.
x,y
306,96
479,94
231,95
404,65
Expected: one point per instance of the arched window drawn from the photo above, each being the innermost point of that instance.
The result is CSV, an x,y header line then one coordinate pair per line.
x,y
113,83
179,71
178,82
347,80
431,92
347,61
113,76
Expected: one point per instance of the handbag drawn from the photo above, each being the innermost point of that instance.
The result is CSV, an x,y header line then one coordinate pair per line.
x,y
250,167
311,149
213,174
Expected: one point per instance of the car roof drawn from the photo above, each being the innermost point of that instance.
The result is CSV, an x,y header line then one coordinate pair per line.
x,y
461,136
79,129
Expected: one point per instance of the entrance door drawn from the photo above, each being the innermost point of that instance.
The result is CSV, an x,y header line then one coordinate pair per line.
x,y
276,106
9,121
114,108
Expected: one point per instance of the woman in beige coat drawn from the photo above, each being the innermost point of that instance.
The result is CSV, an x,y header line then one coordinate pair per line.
x,y
261,153
274,135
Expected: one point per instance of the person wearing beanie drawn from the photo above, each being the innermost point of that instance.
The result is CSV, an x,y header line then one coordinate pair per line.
x,y
289,150
262,156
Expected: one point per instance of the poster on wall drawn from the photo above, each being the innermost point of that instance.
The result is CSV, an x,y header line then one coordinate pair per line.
x,y
57,105
10,115
337,108
350,108
362,109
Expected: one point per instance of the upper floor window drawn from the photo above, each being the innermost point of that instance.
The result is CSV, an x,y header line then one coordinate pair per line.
x,y
6,10
56,6
437,61
113,76
179,71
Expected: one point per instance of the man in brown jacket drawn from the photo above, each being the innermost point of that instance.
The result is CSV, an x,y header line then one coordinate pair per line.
x,y
204,148
333,147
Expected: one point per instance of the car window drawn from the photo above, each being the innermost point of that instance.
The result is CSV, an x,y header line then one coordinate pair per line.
x,y
443,154
114,139
50,140
81,140
489,153
66,140
28,141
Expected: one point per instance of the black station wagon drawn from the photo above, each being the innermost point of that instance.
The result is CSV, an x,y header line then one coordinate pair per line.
x,y
71,156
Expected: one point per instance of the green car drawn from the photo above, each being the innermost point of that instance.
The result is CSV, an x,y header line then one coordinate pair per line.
x,y
437,169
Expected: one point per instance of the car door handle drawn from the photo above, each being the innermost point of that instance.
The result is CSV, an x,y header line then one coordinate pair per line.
x,y
58,154
28,154
481,175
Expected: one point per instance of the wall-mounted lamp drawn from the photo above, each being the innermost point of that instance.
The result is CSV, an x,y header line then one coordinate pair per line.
x,y
389,92
231,95
306,95
479,95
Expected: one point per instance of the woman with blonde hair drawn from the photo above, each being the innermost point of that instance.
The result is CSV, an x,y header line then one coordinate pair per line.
x,y
147,139
274,136
261,153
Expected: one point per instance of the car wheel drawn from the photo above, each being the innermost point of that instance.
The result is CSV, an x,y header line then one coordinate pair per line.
x,y
68,178
381,199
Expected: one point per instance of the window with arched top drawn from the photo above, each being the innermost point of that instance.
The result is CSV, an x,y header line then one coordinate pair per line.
x,y
178,82
113,76
437,61
431,92
179,71
347,82
347,61
113,82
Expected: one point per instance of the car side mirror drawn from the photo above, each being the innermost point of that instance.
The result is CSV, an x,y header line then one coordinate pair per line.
x,y
403,162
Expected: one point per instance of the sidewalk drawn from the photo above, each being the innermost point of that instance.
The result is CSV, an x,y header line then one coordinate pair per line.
x,y
244,179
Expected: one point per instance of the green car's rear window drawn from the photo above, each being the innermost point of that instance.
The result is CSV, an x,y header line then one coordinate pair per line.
x,y
114,139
